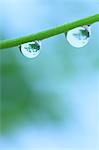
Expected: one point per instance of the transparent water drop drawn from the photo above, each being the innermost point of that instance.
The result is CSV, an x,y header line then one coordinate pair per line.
x,y
79,37
31,49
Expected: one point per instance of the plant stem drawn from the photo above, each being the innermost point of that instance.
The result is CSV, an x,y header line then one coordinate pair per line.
x,y
48,33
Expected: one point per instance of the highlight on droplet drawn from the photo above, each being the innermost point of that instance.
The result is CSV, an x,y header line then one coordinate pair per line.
x,y
79,37
30,49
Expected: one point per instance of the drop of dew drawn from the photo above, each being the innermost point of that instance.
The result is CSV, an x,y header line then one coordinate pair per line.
x,y
79,37
31,49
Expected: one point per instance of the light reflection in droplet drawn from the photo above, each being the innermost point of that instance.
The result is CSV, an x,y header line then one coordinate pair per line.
x,y
79,37
31,49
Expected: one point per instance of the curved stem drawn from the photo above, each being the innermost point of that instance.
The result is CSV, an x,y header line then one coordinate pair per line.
x,y
49,33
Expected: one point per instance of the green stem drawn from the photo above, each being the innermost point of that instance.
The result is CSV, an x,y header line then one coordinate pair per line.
x,y
48,33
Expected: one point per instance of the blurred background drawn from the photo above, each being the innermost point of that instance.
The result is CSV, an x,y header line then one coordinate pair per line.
x,y
50,102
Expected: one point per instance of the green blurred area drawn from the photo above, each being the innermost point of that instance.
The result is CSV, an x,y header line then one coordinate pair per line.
x,y
20,102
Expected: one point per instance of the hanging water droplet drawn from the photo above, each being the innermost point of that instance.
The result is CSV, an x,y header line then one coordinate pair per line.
x,y
31,49
79,37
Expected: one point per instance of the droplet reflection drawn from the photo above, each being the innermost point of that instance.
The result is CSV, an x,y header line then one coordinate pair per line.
x,y
31,49
79,37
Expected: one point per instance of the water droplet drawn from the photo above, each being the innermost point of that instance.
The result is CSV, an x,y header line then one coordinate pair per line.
x,y
79,37
31,49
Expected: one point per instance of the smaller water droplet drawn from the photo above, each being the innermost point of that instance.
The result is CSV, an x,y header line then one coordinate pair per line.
x,y
30,49
79,37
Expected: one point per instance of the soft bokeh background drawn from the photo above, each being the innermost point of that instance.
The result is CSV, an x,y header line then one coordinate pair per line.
x,y
50,102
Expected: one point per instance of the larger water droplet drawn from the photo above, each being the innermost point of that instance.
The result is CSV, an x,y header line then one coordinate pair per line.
x,y
79,37
31,49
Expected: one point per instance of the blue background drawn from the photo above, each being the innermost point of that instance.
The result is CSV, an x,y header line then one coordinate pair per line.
x,y
50,102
